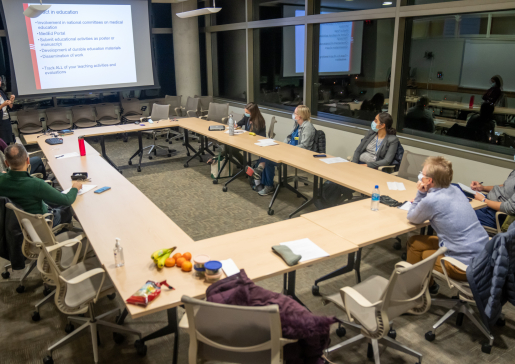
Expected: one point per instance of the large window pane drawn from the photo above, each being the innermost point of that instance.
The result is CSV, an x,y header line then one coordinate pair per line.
x,y
271,9
233,11
422,2
336,6
458,80
351,69
279,66
161,15
230,64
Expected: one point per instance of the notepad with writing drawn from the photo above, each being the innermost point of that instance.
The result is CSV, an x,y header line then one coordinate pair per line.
x,y
396,186
83,190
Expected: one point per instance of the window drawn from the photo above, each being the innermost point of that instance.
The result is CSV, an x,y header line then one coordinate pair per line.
x,y
230,64
336,6
351,69
164,62
270,9
423,2
233,11
279,66
458,80
161,15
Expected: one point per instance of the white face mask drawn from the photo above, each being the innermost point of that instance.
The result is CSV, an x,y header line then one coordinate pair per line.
x,y
420,176
293,117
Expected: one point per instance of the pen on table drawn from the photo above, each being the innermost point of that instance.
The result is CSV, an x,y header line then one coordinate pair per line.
x,y
59,156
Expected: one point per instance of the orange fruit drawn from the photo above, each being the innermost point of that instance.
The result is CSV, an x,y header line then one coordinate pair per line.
x,y
177,256
187,266
187,256
180,261
170,262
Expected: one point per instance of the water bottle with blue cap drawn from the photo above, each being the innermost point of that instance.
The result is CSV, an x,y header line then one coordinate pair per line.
x,y
375,199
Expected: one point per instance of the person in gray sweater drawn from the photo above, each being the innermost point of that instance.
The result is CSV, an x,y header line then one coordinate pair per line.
x,y
451,216
498,198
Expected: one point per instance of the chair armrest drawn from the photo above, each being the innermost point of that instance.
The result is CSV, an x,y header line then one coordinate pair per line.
x,y
87,275
204,112
455,263
285,341
349,158
178,110
225,120
67,243
192,113
203,117
352,298
17,140
386,169
497,214
49,182
403,265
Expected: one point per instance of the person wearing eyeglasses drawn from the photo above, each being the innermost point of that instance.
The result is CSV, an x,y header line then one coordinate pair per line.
x,y
451,216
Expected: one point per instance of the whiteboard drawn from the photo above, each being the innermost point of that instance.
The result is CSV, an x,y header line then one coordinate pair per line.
x,y
483,59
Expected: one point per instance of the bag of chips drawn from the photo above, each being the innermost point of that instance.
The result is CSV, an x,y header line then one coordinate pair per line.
x,y
146,294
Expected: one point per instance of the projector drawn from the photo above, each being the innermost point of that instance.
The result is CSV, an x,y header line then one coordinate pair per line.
x,y
33,11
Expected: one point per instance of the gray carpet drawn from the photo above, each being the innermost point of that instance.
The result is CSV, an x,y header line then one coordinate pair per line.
x,y
202,210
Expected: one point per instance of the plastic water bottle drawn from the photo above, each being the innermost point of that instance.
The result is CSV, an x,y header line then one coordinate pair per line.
x,y
231,125
118,254
375,199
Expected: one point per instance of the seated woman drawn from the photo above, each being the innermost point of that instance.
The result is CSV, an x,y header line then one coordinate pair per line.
x,y
450,215
482,126
36,163
302,135
254,122
378,148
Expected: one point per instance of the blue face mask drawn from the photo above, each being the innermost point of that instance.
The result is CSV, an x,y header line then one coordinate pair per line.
x,y
494,84
374,126
293,117
247,115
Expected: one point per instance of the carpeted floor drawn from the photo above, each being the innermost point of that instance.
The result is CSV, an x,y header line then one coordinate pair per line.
x,y
201,209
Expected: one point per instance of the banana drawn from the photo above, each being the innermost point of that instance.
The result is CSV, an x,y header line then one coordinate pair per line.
x,y
161,260
159,253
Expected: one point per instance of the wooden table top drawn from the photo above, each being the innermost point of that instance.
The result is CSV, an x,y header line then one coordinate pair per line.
x,y
170,123
462,106
96,131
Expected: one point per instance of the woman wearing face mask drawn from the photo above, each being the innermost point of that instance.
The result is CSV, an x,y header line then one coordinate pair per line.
x,y
6,131
451,216
494,93
377,148
302,135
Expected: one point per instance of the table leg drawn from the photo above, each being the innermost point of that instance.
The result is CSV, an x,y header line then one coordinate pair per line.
x,y
121,319
104,154
289,286
308,202
139,151
277,188
187,143
237,165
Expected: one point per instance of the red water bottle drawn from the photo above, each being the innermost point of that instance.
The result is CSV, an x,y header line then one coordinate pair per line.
x,y
471,103
82,147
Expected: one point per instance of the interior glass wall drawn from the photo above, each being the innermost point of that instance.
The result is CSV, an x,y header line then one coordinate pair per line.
x,y
458,79
270,9
337,6
233,11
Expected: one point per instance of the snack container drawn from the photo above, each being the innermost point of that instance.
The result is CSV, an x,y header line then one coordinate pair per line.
x,y
212,267
198,266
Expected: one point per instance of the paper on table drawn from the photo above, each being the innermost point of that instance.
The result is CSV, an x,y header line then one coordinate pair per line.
x,y
83,190
236,132
467,189
229,267
406,206
306,248
333,160
396,186
67,155
266,142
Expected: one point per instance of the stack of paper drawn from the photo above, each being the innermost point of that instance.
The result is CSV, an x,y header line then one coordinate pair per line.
x,y
266,142
334,160
406,206
306,248
236,132
229,267
396,186
467,189
83,190
67,155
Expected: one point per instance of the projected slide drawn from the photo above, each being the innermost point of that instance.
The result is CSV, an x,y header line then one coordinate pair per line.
x,y
82,45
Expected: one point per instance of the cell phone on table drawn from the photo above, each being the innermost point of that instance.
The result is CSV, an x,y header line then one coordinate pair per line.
x,y
103,189
319,156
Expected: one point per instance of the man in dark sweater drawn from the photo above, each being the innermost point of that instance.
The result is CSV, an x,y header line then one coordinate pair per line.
x,y
33,194
419,117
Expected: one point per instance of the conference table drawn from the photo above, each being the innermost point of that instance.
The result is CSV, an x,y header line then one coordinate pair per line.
x,y
455,105
126,213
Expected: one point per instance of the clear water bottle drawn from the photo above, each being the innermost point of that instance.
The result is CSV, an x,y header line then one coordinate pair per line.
x,y
231,125
118,254
375,199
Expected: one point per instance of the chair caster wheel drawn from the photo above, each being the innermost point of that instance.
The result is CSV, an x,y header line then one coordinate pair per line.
x,y
69,328
130,163
188,154
169,155
430,336
170,142
166,140
139,169
404,256
6,275
186,165
392,334
486,348
315,290
149,157
215,181
341,332
35,316
20,289
141,348
305,184
370,351
46,291
270,212
111,296
500,322
397,245
118,338
224,189
48,360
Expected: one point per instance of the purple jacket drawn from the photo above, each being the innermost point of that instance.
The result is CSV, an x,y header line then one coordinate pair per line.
x,y
297,322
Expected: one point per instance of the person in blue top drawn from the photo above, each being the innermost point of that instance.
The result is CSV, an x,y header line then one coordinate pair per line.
x,y
302,135
451,216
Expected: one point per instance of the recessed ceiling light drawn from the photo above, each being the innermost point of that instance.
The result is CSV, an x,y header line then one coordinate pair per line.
x,y
387,3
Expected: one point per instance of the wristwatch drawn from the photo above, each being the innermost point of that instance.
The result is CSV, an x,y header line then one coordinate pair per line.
x,y
484,199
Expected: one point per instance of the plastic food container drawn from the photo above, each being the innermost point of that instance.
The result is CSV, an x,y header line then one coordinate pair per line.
x,y
213,267
211,278
198,266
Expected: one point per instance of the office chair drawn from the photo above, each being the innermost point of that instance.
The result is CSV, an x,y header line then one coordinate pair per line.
x,y
235,334
377,301
131,111
57,119
83,116
159,112
191,110
318,147
106,114
29,121
494,231
460,304
218,113
65,257
204,102
78,288
450,113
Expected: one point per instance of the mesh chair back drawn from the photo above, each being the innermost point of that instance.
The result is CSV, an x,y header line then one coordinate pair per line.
x,y
83,113
106,112
131,107
228,333
271,133
407,288
193,104
29,120
411,165
160,112
173,101
3,168
56,116
204,102
217,112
